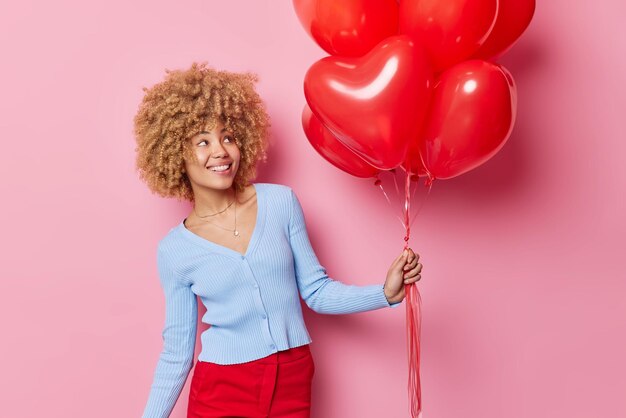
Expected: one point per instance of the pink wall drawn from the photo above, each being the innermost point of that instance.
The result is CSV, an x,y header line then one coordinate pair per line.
x,y
523,282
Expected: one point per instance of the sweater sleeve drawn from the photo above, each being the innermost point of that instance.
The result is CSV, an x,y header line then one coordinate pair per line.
x,y
320,292
179,337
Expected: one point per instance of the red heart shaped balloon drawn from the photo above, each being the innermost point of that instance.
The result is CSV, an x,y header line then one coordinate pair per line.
x,y
513,18
470,118
376,103
348,27
332,149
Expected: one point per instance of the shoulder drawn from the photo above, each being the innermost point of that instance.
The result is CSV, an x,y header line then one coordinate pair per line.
x,y
170,242
274,188
276,192
279,198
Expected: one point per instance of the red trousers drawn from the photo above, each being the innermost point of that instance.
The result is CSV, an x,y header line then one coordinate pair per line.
x,y
276,386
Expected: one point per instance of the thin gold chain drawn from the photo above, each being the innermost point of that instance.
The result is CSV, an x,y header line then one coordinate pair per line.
x,y
234,231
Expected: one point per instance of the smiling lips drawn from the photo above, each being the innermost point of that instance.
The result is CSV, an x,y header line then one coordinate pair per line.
x,y
221,168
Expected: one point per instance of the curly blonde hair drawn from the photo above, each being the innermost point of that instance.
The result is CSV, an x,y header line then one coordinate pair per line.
x,y
178,108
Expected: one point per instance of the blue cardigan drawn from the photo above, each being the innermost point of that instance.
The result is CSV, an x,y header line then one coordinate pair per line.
x,y
252,300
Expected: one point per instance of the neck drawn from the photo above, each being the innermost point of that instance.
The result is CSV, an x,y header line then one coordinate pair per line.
x,y
211,201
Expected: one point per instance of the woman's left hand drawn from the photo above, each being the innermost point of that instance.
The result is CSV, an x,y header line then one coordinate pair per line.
x,y
404,270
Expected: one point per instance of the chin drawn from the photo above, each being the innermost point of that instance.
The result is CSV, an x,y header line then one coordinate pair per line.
x,y
222,185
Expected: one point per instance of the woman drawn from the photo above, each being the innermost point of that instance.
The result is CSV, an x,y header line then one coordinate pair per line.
x,y
243,249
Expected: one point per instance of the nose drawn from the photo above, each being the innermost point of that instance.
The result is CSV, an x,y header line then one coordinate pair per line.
x,y
218,151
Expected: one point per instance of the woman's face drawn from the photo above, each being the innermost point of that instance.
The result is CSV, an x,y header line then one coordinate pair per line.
x,y
213,150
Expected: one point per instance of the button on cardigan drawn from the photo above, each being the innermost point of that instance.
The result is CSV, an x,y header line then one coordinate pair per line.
x,y
252,300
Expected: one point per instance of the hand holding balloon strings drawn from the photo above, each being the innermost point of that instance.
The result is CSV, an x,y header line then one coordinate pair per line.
x,y
404,270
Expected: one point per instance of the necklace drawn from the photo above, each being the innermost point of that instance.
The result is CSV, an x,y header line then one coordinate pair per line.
x,y
216,213
234,231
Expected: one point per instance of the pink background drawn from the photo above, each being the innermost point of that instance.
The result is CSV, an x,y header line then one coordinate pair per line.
x,y
523,283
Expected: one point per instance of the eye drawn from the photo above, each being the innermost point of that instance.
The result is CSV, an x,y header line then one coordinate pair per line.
x,y
230,138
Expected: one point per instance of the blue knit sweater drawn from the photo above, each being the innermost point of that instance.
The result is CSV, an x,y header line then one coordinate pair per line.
x,y
252,300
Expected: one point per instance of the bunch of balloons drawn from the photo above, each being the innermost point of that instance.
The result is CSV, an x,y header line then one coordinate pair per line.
x,y
410,84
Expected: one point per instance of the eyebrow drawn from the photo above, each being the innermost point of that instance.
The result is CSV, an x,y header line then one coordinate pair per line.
x,y
205,132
